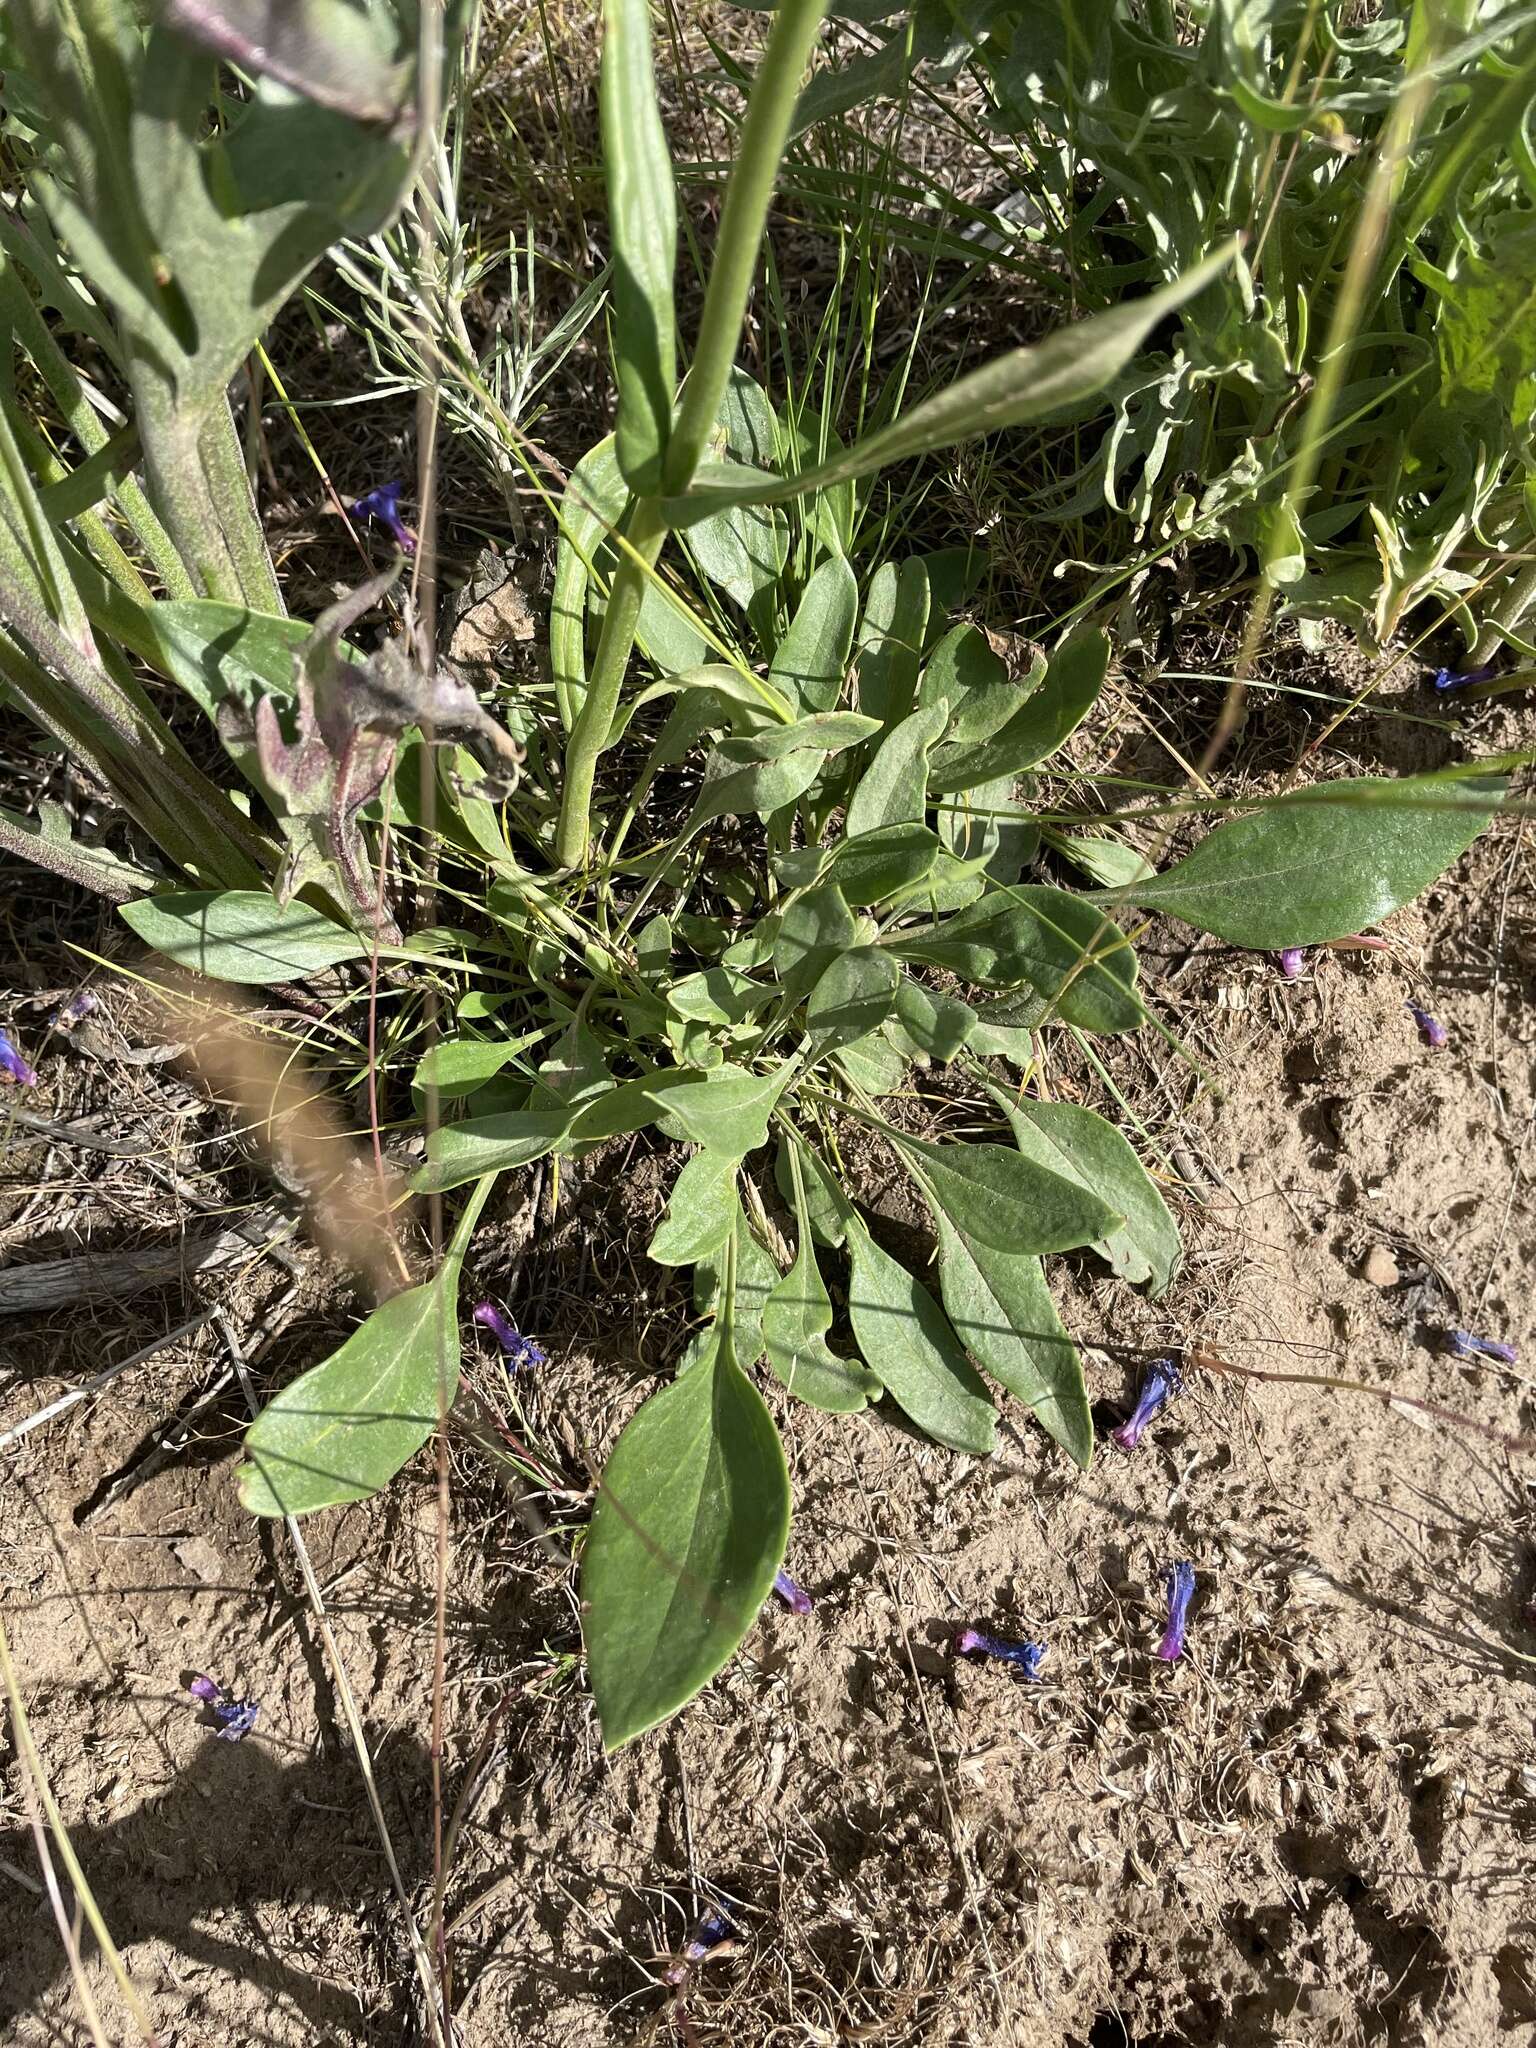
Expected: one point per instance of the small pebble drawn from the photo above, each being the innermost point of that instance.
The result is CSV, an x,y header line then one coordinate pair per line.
x,y
1380,1268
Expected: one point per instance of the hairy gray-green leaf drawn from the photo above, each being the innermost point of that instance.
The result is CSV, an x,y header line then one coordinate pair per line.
x,y
1080,965
937,1024
689,1529
999,1197
891,640
981,694
796,1319
241,935
344,1429
922,1365
812,658
701,1212
642,207
853,997
892,790
735,787
812,932
871,866
1324,862
1073,1141
1002,1312
1073,680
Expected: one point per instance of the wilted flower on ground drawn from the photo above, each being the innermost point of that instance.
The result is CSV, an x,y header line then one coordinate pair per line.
x,y
236,1717
1162,1382
1462,1344
1026,1657
13,1066
714,1931
794,1597
1432,1031
1181,1590
69,1014
1292,960
383,504
1458,678
521,1352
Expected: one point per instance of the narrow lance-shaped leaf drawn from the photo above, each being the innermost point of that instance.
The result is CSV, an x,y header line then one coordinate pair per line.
x,y
892,789
1323,862
701,1212
642,204
690,1525
1000,1197
1025,384
343,1430
897,1321
242,935
1073,1142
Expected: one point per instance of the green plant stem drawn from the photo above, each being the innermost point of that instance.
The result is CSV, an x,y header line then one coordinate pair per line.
x,y
179,485
230,490
645,534
764,133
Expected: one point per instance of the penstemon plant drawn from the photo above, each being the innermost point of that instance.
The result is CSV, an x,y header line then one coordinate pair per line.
x,y
855,888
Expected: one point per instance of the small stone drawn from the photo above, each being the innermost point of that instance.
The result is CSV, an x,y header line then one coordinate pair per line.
x,y
1380,1267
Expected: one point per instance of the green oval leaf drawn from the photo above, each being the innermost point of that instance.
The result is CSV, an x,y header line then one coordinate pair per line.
x,y
701,1213
1073,680
690,1525
980,692
1322,863
999,1197
1002,1312
812,658
893,788
891,640
241,935
922,1364
344,1429
853,998
1072,1141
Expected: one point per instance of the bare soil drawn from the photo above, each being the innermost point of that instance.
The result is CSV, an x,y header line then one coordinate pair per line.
x,y
1314,1829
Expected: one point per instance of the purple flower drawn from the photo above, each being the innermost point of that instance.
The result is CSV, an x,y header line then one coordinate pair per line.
x,y
1162,1382
1457,679
13,1066
714,1930
795,1598
236,1717
520,1351
1027,1657
1292,960
383,504
1181,1590
1432,1031
1462,1344
69,1014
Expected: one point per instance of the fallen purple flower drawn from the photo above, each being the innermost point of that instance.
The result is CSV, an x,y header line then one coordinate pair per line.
x,y
521,1352
794,1597
69,1014
1457,679
714,1931
1292,960
1462,1344
13,1066
1026,1657
1181,1590
1431,1030
383,504
1162,1382
237,1717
